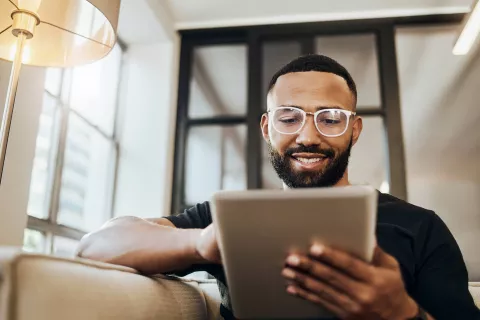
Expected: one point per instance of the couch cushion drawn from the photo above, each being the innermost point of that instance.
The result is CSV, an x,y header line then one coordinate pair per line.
x,y
211,292
45,288
212,298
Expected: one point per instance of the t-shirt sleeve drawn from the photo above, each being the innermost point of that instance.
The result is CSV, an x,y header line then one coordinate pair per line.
x,y
196,217
442,277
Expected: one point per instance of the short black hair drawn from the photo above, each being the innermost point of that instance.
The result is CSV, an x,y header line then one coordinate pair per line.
x,y
316,62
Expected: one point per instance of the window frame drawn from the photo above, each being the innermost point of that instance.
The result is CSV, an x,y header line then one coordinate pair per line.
x,y
305,33
49,226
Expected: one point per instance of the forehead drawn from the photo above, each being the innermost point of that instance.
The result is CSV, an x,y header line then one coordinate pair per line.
x,y
310,90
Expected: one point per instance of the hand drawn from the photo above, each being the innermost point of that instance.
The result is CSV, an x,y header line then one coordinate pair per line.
x,y
207,246
350,287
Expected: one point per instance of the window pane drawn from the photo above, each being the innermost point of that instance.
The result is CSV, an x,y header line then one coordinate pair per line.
x,y
270,179
215,161
276,54
53,80
94,90
86,177
219,81
64,247
66,86
358,54
44,161
368,160
33,241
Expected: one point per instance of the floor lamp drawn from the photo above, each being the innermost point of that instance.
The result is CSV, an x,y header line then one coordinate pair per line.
x,y
52,33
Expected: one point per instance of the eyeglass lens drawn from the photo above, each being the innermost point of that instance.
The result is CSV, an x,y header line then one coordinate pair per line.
x,y
329,122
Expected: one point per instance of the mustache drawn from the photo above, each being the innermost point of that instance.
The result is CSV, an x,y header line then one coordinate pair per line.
x,y
329,153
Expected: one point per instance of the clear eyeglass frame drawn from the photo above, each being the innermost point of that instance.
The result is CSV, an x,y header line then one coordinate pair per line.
x,y
347,113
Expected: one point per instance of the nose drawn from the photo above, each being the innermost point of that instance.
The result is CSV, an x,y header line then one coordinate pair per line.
x,y
309,134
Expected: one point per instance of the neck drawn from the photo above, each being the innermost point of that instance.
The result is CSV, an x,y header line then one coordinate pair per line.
x,y
343,182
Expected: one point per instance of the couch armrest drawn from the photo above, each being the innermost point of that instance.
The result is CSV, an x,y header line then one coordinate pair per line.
x,y
45,288
475,291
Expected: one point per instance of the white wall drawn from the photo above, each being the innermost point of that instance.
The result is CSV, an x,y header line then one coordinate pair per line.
x,y
440,115
146,125
15,184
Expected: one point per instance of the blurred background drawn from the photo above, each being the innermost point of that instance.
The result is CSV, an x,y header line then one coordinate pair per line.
x,y
171,115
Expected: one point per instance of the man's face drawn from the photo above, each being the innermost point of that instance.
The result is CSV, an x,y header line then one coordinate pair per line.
x,y
308,158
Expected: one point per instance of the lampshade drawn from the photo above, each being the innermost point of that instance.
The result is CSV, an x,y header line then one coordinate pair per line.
x,y
70,32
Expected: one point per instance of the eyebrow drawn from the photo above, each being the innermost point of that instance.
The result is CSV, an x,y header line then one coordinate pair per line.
x,y
316,108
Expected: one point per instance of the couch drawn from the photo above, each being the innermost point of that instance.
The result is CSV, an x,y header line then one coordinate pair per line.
x,y
43,287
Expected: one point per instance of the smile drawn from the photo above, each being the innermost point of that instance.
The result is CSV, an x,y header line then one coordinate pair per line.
x,y
309,160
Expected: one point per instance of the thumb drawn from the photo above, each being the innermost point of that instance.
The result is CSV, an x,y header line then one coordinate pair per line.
x,y
383,259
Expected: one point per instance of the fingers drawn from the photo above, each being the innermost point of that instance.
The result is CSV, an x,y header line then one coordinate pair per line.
x,y
325,274
320,289
344,284
317,299
343,261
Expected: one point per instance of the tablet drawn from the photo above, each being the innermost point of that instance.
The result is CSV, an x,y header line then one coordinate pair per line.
x,y
257,229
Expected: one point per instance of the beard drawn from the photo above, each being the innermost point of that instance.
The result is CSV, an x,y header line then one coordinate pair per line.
x,y
328,176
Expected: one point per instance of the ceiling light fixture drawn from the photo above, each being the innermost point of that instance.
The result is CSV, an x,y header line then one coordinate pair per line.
x,y
470,31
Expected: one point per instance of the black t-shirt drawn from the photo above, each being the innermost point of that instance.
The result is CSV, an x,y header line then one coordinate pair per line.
x,y
432,265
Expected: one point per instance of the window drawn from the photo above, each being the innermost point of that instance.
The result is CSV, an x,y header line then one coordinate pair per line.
x,y
222,150
217,132
75,157
45,155
219,81
64,247
34,241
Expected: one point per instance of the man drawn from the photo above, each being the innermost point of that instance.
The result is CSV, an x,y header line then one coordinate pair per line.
x,y
417,271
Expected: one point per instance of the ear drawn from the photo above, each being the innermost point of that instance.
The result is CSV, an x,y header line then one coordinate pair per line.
x,y
264,127
357,129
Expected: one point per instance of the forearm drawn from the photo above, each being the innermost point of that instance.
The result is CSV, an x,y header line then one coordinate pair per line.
x,y
148,247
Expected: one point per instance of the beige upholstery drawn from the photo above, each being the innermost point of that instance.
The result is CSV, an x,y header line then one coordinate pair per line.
x,y
475,291
48,288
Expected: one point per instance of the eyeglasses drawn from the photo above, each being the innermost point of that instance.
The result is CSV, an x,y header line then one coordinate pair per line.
x,y
329,122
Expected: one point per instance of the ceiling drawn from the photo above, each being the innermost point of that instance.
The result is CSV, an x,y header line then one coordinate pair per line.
x,y
143,22
214,13
150,21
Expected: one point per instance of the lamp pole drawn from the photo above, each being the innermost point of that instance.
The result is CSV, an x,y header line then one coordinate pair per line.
x,y
23,27
10,101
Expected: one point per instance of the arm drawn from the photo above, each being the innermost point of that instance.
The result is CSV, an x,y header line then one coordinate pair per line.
x,y
442,285
153,246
